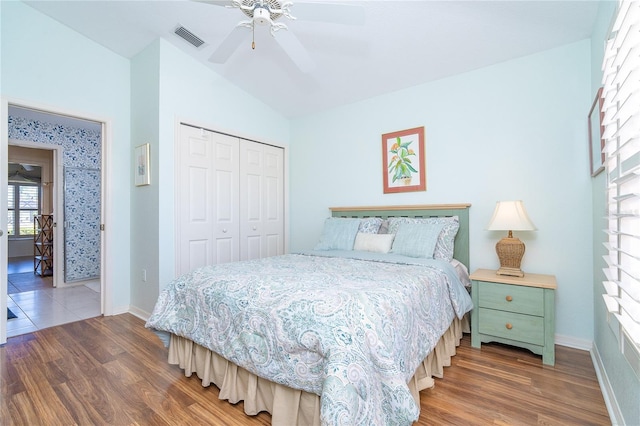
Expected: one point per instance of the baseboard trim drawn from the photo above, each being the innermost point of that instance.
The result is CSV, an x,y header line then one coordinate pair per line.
x,y
143,315
615,414
117,311
573,342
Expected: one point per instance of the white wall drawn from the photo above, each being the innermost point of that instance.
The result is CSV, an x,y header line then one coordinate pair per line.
x,y
516,130
20,248
46,63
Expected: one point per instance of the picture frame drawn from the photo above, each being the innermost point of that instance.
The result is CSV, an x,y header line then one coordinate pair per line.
x,y
141,165
596,131
403,161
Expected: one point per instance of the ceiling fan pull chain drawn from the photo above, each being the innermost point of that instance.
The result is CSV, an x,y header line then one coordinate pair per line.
x,y
253,37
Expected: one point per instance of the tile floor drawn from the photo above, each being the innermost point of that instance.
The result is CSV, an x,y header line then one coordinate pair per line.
x,y
37,304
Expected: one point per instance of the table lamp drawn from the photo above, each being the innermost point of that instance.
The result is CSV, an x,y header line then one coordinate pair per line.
x,y
510,216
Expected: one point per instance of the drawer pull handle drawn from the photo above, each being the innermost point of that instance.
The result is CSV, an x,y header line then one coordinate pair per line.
x,y
509,298
509,326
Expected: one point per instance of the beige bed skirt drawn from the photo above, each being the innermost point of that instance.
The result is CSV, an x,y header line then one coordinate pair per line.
x,y
290,406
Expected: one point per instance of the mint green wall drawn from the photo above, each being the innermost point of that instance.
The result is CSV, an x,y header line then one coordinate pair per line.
x,y
46,63
189,91
142,98
515,130
145,235
622,380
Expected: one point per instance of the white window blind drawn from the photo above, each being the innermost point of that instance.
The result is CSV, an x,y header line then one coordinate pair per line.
x,y
621,107
23,204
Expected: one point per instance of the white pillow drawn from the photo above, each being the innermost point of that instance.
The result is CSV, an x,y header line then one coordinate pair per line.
x,y
378,243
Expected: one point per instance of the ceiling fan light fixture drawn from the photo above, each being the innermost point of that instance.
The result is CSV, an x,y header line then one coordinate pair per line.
x,y
261,16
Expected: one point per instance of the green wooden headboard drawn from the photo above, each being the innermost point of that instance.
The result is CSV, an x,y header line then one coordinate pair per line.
x,y
461,247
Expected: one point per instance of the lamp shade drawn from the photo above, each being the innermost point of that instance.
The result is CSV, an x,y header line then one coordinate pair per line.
x,y
510,216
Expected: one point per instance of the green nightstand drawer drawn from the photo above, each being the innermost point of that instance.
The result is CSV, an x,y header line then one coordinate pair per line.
x,y
509,325
511,298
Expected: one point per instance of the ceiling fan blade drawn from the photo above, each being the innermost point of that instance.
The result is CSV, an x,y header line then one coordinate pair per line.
x,y
295,50
346,14
216,2
229,45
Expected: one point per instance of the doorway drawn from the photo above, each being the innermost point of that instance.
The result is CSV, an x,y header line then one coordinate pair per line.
x,y
70,287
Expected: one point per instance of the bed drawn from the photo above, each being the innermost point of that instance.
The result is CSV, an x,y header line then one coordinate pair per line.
x,y
347,333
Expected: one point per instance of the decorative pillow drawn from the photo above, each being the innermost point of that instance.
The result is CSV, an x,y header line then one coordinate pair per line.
x,y
417,239
370,225
378,243
338,234
384,227
444,246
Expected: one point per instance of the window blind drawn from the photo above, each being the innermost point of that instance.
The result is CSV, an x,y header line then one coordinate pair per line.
x,y
23,204
621,122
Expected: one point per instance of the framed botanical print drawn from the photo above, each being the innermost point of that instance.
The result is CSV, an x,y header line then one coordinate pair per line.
x,y
141,166
403,161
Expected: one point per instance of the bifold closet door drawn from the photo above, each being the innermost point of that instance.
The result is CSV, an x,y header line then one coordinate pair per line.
x,y
226,181
207,197
261,200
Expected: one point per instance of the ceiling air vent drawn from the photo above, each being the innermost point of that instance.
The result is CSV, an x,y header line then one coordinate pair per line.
x,y
188,36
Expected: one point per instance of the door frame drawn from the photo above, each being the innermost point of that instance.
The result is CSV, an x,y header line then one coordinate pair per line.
x,y
106,305
57,201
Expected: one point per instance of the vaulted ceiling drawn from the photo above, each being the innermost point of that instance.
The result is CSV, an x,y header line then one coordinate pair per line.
x,y
399,45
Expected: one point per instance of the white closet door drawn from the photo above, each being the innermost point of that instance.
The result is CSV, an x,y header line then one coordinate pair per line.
x,y
195,199
226,208
273,225
261,200
207,196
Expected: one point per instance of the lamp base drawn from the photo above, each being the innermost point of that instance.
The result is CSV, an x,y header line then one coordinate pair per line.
x,y
512,272
510,251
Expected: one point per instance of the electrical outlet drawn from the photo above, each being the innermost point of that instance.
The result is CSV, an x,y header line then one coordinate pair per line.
x,y
144,275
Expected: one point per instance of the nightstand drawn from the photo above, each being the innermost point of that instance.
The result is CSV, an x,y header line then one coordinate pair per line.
x,y
515,311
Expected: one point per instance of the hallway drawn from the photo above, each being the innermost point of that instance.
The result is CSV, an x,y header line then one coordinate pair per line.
x,y
38,305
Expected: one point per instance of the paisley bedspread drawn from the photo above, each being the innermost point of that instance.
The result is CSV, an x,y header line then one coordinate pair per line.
x,y
351,330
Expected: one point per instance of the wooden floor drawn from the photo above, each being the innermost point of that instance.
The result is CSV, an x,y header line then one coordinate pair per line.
x,y
111,370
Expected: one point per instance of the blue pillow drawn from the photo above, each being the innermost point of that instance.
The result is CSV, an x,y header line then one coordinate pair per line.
x,y
445,245
338,234
417,239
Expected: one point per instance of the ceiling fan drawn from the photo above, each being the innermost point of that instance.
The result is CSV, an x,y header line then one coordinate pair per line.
x,y
270,13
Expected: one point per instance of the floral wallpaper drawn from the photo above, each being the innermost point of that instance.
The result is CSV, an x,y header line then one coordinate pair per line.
x,y
82,220
82,163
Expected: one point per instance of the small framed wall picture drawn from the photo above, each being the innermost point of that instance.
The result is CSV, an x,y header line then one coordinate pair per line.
x,y
596,130
141,166
403,161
